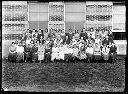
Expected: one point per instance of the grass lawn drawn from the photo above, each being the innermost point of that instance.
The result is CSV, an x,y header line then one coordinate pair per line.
x,y
64,77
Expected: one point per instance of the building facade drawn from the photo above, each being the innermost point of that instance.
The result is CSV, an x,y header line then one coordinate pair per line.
x,y
62,16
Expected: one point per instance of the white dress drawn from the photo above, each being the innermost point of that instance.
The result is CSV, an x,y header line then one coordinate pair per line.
x,y
28,41
41,50
20,52
61,53
89,50
54,53
75,52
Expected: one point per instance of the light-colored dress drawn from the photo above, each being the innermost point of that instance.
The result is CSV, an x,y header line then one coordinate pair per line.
x,y
61,52
12,53
90,50
28,41
54,54
41,50
20,53
75,52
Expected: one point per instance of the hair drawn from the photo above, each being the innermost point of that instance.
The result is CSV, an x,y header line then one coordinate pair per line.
x,y
13,42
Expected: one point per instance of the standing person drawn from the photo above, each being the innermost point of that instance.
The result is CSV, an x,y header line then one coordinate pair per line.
x,y
70,34
75,53
33,34
76,34
31,50
28,39
47,51
113,52
54,54
97,52
27,50
12,53
62,34
41,50
34,53
90,40
20,52
84,34
61,52
105,52
105,40
92,32
89,52
67,40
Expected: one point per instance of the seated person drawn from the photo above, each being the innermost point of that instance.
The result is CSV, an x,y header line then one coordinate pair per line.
x,y
68,53
97,51
74,41
12,53
20,52
82,40
75,51
105,52
82,52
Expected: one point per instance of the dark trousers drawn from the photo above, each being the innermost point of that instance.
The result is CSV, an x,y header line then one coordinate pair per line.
x,y
12,57
27,56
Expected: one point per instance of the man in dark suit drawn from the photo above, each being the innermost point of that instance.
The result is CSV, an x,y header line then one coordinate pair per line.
x,y
83,34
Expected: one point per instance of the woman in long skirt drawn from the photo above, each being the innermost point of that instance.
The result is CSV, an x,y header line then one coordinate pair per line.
x,y
105,52
54,54
41,50
61,52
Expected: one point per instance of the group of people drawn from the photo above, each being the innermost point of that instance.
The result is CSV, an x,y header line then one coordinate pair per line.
x,y
64,46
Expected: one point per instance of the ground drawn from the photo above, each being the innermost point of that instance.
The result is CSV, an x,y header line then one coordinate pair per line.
x,y
61,77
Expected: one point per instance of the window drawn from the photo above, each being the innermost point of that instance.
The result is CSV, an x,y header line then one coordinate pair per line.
x,y
119,35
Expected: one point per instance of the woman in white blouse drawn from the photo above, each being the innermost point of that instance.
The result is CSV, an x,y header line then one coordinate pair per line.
x,y
20,52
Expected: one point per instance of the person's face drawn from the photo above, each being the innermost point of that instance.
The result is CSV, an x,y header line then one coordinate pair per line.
x,y
112,44
83,30
96,44
13,44
106,37
40,43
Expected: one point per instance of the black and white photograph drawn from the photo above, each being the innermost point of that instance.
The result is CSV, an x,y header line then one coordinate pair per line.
x,y
63,46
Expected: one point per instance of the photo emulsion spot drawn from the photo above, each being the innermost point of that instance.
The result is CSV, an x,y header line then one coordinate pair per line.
x,y
62,46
